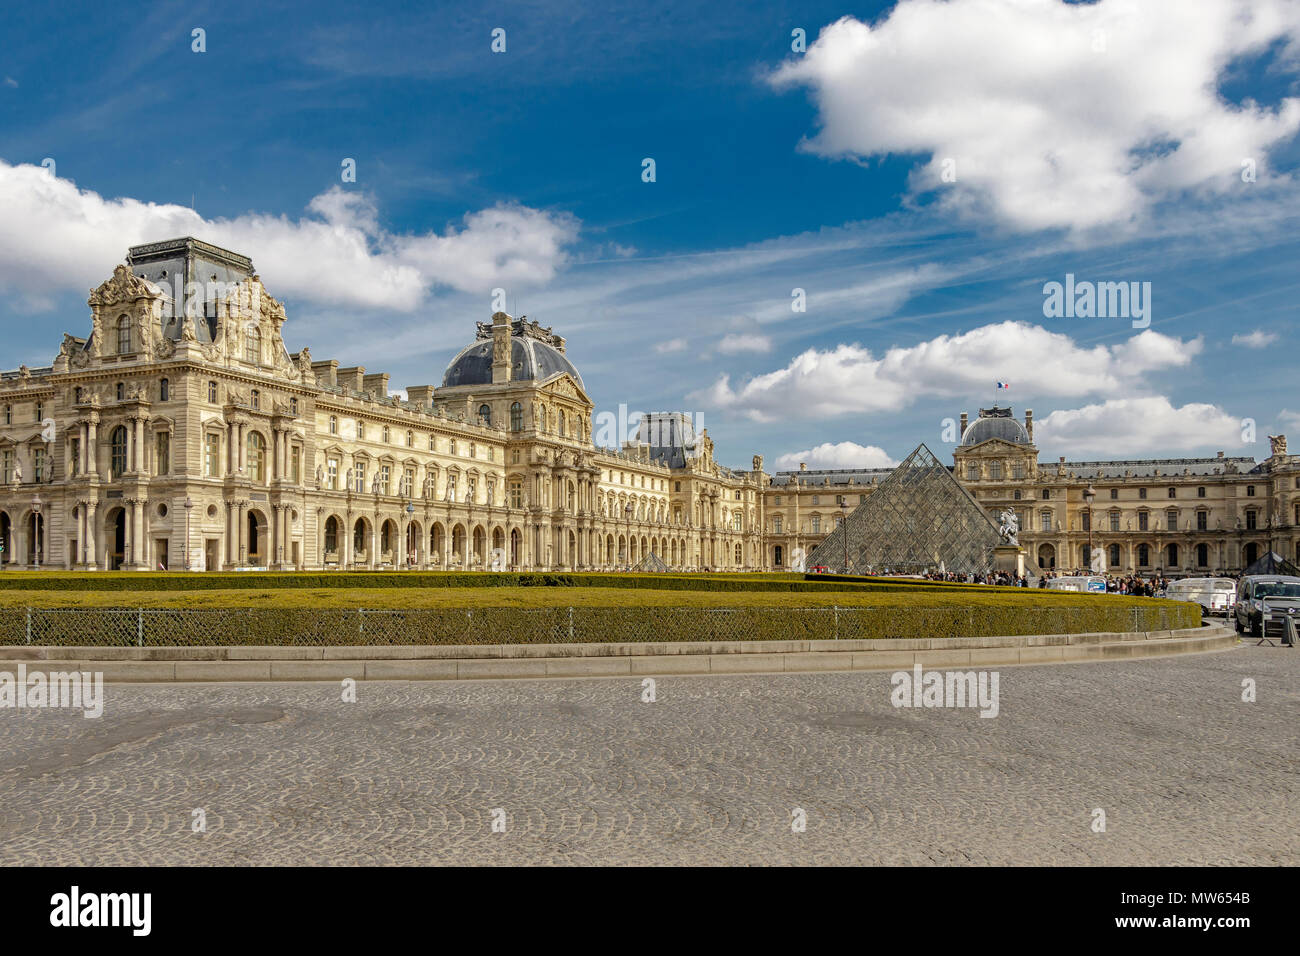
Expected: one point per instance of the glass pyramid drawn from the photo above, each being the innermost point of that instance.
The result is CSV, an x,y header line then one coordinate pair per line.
x,y
919,519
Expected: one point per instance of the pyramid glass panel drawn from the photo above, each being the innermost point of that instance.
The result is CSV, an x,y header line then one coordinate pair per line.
x,y
918,520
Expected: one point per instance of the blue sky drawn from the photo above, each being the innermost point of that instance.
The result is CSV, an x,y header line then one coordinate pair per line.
x,y
1085,139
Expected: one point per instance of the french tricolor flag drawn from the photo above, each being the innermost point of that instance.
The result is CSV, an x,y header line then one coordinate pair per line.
x,y
1002,385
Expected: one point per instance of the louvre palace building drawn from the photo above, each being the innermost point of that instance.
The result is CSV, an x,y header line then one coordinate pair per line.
x,y
180,433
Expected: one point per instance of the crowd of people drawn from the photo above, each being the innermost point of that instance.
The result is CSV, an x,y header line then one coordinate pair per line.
x,y
1115,584
1003,578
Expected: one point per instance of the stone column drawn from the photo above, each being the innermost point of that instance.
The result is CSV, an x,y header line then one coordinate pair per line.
x,y
139,550
138,452
92,451
243,449
241,532
92,558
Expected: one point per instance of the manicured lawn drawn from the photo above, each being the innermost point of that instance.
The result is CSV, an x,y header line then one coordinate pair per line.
x,y
474,597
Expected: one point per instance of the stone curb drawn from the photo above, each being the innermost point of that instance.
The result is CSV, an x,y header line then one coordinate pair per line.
x,y
199,664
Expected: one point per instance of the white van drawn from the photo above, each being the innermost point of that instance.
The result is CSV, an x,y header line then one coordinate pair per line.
x,y
1216,595
1089,582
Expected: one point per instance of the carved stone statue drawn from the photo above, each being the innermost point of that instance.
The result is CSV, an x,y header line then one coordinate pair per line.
x,y
1009,527
1277,443
374,484
320,476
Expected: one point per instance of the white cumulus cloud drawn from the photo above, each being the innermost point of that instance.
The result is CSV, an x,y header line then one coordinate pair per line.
x,y
1131,426
1048,114
844,454
851,379
1255,340
56,236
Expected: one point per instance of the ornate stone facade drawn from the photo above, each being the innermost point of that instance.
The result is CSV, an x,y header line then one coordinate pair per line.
x,y
182,433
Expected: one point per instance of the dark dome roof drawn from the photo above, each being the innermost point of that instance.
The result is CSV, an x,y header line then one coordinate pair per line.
x,y
995,423
530,360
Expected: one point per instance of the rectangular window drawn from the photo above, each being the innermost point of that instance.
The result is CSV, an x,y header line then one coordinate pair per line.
x,y
1045,520
1142,492
995,470
1202,520
332,474
38,465
1251,520
1018,471
516,494
385,479
1114,521
360,476
1142,521
7,465
163,454
74,449
408,481
776,524
816,525
212,455
295,464
1114,493
1171,520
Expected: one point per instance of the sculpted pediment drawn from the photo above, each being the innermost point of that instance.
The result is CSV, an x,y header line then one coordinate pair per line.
x,y
124,286
564,386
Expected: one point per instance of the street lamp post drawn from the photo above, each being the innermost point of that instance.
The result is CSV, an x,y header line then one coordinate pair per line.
x,y
844,529
627,513
36,529
189,506
1089,494
410,552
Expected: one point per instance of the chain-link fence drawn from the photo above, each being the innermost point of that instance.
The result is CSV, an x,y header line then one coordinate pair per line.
x,y
178,627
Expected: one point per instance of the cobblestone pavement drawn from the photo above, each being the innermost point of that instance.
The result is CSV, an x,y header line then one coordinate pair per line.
x,y
708,774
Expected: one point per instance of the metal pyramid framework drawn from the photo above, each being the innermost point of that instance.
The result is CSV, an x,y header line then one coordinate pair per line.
x,y
651,562
920,518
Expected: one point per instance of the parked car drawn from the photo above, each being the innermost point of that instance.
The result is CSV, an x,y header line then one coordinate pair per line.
x,y
1082,582
1214,595
1264,602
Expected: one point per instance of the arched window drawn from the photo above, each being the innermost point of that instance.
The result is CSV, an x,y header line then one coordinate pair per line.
x,y
1113,557
485,414
516,417
410,439
123,335
334,425
256,457
163,391
117,445
253,346
562,416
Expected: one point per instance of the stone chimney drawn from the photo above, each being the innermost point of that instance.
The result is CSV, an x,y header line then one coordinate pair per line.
x,y
501,348
1029,424
963,426
326,371
376,382
421,395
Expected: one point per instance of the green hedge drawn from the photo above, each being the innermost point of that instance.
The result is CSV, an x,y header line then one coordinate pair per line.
x,y
226,580
100,627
